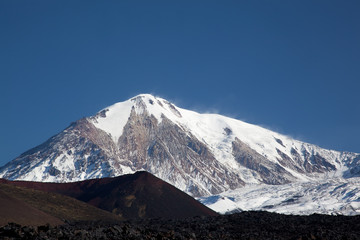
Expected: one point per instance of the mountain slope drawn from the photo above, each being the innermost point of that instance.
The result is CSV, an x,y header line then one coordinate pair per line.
x,y
333,196
132,196
201,154
33,207
15,210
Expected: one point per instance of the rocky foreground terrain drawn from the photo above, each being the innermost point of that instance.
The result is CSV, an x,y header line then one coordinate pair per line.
x,y
245,225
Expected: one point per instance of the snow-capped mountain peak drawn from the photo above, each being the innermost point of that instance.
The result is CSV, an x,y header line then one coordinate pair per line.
x,y
201,154
113,119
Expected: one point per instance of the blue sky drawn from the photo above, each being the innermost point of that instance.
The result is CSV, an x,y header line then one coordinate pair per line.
x,y
291,66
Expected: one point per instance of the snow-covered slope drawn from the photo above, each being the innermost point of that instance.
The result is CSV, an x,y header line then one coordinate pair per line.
x,y
333,196
201,154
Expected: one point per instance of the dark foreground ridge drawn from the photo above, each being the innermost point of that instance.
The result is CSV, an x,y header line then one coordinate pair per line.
x,y
133,196
245,225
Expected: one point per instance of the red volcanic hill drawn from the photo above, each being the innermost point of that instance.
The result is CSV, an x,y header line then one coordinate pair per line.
x,y
134,196
17,210
28,206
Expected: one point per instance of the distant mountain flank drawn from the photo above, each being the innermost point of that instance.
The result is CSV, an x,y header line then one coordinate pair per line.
x,y
203,155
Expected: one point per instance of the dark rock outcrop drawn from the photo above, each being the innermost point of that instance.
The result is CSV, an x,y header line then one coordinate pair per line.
x,y
245,225
270,173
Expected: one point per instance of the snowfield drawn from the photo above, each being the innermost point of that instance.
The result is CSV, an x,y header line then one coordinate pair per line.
x,y
334,196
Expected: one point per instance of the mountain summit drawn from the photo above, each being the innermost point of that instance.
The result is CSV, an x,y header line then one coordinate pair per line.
x,y
201,154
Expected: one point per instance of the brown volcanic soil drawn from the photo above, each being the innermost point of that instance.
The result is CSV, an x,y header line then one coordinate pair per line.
x,y
134,196
15,210
33,207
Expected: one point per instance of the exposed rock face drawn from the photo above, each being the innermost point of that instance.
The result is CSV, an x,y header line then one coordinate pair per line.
x,y
316,163
173,154
80,150
309,163
201,154
269,172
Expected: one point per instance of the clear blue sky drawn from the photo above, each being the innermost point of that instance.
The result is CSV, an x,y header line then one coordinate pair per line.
x,y
292,66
